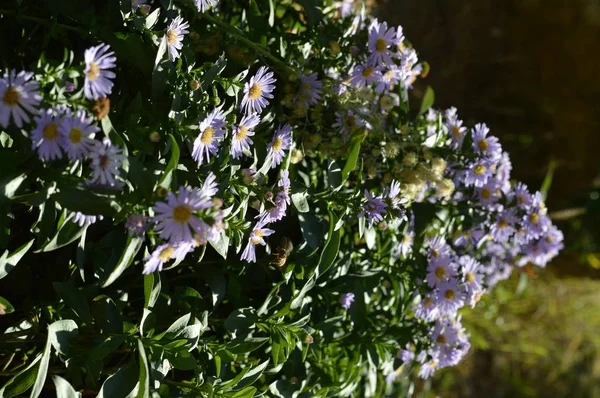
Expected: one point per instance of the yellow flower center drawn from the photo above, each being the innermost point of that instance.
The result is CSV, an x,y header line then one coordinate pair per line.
x,y
182,214
470,277
367,72
50,131
207,135
171,37
407,239
534,218
485,193
482,144
241,133
94,71
380,45
441,339
388,75
480,169
306,86
75,135
456,131
11,97
104,161
277,144
502,224
449,294
427,302
255,92
166,254
440,272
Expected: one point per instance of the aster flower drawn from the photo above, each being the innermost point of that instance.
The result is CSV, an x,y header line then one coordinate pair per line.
x,y
438,248
106,159
98,61
240,140
483,145
380,39
136,224
522,195
439,271
211,132
258,90
405,245
348,122
428,368
165,253
208,191
478,173
450,297
472,274
77,132
204,5
347,300
256,238
310,90
46,138
455,128
83,219
490,193
365,75
174,36
427,309
473,237
282,140
19,95
374,209
394,195
389,79
346,8
175,218
504,226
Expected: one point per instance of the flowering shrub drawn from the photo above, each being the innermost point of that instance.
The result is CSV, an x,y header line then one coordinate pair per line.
x,y
234,198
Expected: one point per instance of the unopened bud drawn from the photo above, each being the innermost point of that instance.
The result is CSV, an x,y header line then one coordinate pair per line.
x,y
410,159
296,156
445,187
194,85
334,46
155,137
161,192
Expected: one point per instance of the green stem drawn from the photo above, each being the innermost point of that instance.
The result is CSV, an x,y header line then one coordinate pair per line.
x,y
42,21
256,47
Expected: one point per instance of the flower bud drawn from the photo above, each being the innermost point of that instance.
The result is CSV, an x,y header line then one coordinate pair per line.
x,y
194,85
445,188
296,156
334,46
410,159
438,166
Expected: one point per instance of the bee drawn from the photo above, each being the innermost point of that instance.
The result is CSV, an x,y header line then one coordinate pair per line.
x,y
282,252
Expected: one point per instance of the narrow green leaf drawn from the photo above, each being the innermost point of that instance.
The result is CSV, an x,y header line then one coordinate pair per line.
x,y
131,249
121,383
67,233
8,262
83,201
42,372
144,374
428,100
63,388
352,157
5,306
60,334
167,177
22,381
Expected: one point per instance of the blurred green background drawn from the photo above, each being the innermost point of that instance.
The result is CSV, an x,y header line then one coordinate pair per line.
x,y
529,69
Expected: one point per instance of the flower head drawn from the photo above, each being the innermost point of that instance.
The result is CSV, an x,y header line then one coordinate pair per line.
x,y
282,140
484,145
165,253
204,5
258,90
77,132
310,90
136,224
46,137
83,219
380,39
240,139
365,75
256,238
450,297
347,300
98,77
18,96
374,209
106,159
439,271
174,36
211,132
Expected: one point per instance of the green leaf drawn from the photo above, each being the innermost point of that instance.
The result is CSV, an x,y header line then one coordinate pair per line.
x,y
330,251
10,186
8,262
121,383
299,199
42,372
159,74
66,234
334,174
144,374
353,156
251,376
60,334
140,176
247,392
152,287
167,177
428,100
74,299
5,306
131,249
63,388
210,75
83,201
221,244
22,381
176,328
152,18
244,345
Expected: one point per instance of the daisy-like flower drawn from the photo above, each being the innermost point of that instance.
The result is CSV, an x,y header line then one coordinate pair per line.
x,y
478,173
426,309
18,95
394,195
82,219
77,132
204,5
486,146
281,201
389,79
98,61
46,138
211,132
504,226
348,122
175,218
282,140
450,298
374,209
380,39
240,140
165,253
439,270
136,224
258,90
365,75
106,160
310,90
472,274
174,36
347,300
256,238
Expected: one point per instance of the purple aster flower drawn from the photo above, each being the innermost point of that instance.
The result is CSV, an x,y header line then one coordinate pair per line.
x,y
450,297
82,219
478,173
428,368
256,238
175,217
137,224
365,75
69,87
165,253
348,122
211,132
174,36
394,195
46,138
106,159
310,90
346,8
483,145
490,193
77,132
405,245
380,39
455,128
282,140
523,197
438,248
552,242
208,191
347,300
98,61
204,5
472,275
504,226
389,79
280,202
258,90
374,209
473,237
439,271
427,309
19,95
241,141
407,354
